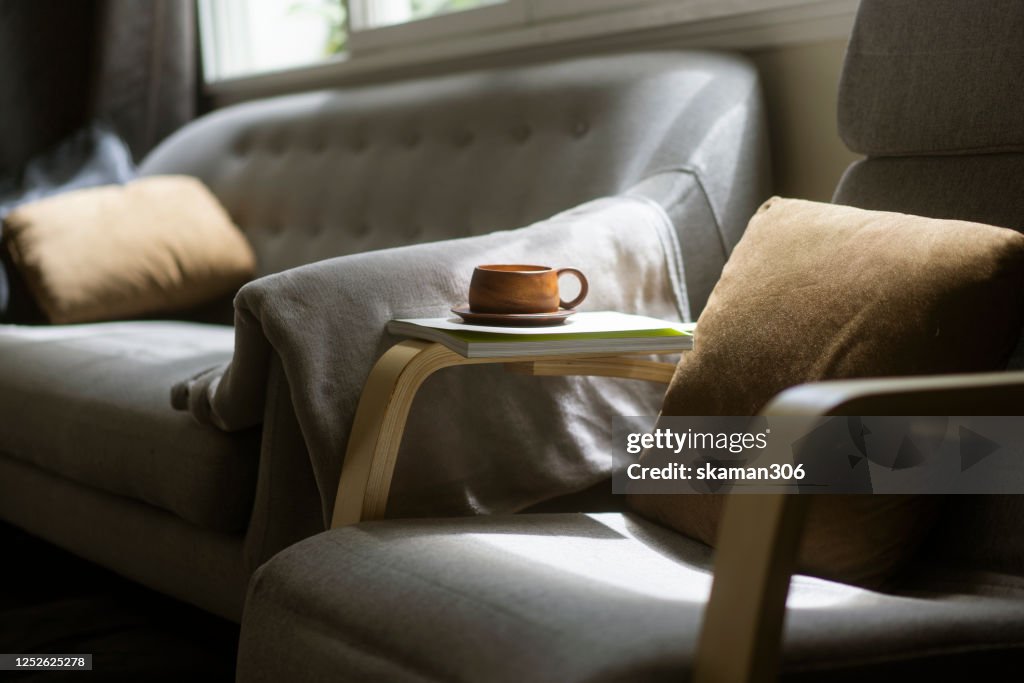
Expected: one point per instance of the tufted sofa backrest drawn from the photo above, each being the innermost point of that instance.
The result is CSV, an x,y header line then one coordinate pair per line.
x,y
334,172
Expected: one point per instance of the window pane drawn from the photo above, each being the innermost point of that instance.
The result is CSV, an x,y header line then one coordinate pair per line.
x,y
378,13
240,37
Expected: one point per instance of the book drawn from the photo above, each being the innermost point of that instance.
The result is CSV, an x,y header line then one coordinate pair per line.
x,y
589,332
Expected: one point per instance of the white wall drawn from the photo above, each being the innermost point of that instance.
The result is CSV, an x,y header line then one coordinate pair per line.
x,y
800,86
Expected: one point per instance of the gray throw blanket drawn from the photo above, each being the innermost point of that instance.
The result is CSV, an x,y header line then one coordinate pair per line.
x,y
479,440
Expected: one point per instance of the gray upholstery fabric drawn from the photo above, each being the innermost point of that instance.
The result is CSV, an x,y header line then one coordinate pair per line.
x,y
985,188
680,194
337,172
934,76
628,247
137,540
287,506
931,90
207,568
603,597
89,402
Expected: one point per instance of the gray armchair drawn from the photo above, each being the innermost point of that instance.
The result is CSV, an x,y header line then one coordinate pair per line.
x,y
931,95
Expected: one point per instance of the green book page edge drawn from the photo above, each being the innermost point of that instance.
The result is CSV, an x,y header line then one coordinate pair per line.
x,y
483,337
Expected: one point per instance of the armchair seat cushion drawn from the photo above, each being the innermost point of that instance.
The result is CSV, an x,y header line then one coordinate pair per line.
x,y
596,597
91,403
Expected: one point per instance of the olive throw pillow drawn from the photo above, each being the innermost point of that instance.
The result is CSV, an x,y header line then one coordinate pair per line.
x,y
154,245
817,292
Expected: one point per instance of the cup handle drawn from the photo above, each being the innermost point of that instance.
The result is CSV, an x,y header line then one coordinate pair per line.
x,y
584,288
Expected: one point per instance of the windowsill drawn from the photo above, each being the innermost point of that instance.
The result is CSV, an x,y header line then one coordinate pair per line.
x,y
702,24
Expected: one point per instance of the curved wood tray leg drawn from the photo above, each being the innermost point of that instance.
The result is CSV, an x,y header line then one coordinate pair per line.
x,y
388,394
379,425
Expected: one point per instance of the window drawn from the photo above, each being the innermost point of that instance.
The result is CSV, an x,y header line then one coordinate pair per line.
x,y
377,13
252,37
382,24
241,38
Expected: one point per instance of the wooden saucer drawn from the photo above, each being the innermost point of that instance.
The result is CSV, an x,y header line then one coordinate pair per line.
x,y
513,319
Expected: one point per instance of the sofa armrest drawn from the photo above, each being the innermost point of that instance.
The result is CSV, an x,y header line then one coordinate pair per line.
x,y
741,638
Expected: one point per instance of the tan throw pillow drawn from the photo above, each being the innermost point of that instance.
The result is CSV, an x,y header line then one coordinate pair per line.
x,y
154,245
817,291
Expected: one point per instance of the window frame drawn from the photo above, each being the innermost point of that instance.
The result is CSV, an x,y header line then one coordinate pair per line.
x,y
510,31
506,14
214,18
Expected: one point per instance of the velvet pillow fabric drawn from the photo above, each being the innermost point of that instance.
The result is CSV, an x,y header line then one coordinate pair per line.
x,y
817,292
155,245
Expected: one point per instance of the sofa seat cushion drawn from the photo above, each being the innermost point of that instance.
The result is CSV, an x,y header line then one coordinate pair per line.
x,y
572,597
92,403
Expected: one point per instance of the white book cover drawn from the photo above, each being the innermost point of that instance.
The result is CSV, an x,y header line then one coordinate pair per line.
x,y
583,333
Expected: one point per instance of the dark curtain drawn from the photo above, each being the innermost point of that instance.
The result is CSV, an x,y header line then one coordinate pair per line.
x,y
145,79
64,63
46,49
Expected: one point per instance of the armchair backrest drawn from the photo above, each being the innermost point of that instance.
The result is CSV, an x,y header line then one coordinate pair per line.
x,y
328,173
932,93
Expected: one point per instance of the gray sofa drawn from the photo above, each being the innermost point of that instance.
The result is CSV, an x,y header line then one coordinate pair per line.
x,y
615,597
93,458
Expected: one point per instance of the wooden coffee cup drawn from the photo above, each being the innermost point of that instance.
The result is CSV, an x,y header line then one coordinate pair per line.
x,y
520,289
